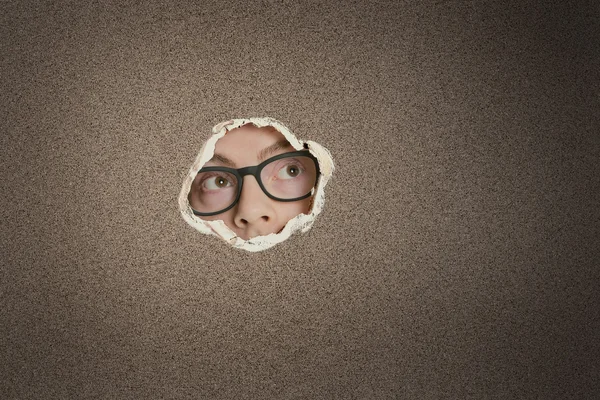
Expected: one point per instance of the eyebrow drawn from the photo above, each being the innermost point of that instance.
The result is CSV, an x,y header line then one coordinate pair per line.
x,y
261,155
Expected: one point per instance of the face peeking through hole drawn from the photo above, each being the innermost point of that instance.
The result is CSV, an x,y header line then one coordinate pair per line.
x,y
264,205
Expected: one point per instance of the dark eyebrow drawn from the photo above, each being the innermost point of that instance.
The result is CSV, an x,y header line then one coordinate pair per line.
x,y
275,147
222,159
261,155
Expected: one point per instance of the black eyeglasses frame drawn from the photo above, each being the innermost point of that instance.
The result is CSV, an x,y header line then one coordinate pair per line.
x,y
256,171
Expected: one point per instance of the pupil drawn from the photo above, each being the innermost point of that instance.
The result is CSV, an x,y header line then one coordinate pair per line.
x,y
292,171
221,182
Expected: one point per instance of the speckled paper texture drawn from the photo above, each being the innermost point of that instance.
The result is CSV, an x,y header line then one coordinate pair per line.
x,y
302,222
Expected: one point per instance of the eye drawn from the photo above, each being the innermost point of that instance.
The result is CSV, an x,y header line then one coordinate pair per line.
x,y
216,182
290,171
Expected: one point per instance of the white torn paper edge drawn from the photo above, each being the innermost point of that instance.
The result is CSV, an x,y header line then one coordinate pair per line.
x,y
301,222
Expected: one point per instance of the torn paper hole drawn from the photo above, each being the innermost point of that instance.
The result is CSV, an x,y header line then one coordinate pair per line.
x,y
217,227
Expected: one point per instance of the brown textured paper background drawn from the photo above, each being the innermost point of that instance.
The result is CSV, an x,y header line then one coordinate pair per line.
x,y
457,252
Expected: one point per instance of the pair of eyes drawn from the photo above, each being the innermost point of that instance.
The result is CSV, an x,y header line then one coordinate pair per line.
x,y
286,173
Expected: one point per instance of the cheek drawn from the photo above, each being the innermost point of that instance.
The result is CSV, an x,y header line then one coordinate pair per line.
x,y
307,205
226,217
298,207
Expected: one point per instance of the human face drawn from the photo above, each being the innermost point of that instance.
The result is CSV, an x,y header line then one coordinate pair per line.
x,y
255,214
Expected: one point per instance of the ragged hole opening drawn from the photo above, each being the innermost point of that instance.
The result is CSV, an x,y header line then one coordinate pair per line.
x,y
255,182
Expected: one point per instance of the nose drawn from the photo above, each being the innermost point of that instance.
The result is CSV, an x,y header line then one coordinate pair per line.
x,y
254,212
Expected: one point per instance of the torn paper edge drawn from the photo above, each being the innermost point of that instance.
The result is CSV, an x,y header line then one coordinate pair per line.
x,y
302,222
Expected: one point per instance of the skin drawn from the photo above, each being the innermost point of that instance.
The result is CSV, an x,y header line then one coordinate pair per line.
x,y
255,214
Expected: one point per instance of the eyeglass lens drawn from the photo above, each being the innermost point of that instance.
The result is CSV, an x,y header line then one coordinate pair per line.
x,y
286,178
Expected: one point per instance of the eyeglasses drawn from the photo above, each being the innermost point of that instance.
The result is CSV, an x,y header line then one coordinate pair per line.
x,y
285,177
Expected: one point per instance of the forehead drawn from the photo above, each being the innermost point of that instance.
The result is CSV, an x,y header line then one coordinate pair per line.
x,y
247,138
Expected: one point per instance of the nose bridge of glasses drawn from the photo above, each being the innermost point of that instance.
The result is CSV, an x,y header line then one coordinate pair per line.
x,y
250,190
248,171
252,171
